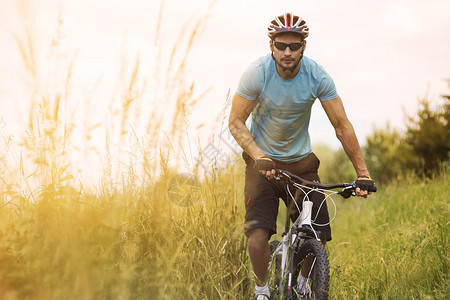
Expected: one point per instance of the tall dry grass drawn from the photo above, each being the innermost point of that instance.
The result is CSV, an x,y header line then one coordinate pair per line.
x,y
132,244
137,232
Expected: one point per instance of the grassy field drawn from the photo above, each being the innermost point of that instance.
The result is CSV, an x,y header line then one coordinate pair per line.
x,y
141,233
137,243
394,245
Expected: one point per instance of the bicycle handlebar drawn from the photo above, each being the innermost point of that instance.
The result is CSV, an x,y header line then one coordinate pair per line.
x,y
348,189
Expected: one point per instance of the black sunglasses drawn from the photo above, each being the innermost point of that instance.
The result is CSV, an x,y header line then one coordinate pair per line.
x,y
282,46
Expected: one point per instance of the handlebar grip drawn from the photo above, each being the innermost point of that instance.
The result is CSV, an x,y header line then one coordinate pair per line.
x,y
369,188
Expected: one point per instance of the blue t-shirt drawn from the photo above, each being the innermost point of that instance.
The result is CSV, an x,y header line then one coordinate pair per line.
x,y
280,118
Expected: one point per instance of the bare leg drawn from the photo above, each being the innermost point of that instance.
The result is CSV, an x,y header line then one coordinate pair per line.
x,y
258,248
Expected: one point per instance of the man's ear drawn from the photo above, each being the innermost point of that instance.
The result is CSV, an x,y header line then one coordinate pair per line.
x,y
271,45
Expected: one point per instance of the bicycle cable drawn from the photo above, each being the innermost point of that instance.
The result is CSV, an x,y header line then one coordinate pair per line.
x,y
305,197
326,193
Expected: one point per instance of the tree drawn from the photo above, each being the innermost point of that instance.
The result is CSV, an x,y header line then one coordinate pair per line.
x,y
428,135
386,155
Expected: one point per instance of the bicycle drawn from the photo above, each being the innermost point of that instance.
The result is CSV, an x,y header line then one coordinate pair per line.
x,y
301,241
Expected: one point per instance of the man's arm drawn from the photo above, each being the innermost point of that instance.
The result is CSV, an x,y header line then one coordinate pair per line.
x,y
346,135
240,111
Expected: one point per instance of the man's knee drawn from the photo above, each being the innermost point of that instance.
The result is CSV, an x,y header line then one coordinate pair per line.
x,y
258,236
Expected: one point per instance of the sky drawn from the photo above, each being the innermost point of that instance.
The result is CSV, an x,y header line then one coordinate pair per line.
x,y
383,55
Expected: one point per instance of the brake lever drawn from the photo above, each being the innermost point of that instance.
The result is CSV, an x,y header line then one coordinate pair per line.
x,y
282,175
348,191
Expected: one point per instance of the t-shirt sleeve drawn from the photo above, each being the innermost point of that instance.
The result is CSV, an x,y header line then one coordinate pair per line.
x,y
250,84
326,89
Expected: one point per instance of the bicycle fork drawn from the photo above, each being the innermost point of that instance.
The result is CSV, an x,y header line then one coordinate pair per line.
x,y
289,238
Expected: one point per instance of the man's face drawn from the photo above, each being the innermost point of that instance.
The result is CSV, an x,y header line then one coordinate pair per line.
x,y
288,57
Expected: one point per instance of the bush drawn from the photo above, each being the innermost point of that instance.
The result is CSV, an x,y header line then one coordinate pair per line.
x,y
424,148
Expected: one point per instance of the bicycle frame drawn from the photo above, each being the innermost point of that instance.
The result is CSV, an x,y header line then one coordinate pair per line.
x,y
301,228
289,238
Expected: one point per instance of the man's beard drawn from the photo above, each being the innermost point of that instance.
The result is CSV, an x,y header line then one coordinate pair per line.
x,y
288,69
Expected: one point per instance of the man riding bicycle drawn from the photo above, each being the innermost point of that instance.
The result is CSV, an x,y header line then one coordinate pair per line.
x,y
279,90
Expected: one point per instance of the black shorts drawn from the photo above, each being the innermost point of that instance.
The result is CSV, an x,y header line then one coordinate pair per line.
x,y
262,196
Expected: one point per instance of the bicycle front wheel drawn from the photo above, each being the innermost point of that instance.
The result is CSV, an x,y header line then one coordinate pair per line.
x,y
317,283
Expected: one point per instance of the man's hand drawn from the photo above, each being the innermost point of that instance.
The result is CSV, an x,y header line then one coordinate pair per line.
x,y
265,166
364,186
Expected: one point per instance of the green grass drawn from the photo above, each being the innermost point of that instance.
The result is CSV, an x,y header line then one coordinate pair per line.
x,y
394,245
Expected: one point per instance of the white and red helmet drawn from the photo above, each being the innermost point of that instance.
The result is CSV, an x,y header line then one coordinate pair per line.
x,y
288,23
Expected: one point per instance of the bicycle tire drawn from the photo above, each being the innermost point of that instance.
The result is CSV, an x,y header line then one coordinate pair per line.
x,y
274,271
319,276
